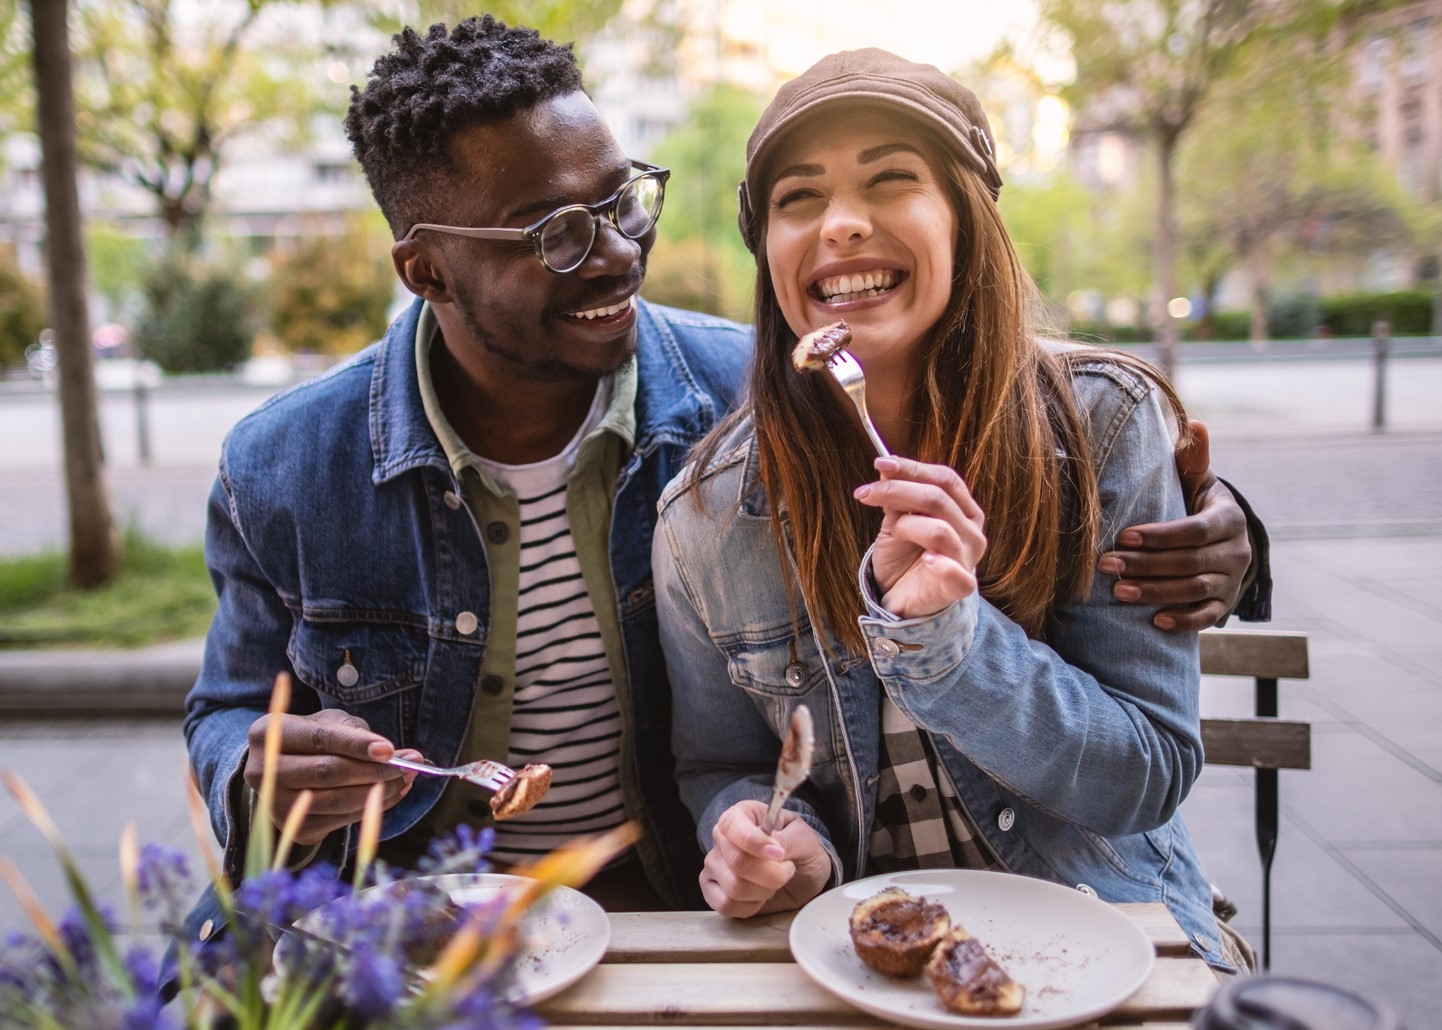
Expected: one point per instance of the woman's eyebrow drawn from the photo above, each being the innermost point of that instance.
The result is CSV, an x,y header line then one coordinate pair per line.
x,y
877,153
801,170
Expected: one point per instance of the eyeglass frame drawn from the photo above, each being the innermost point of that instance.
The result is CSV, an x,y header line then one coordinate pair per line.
x,y
533,232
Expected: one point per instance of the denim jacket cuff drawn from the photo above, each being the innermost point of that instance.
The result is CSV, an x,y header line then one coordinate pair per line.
x,y
869,590
923,648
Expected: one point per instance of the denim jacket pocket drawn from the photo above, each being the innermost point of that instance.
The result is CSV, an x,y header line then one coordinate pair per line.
x,y
357,663
786,665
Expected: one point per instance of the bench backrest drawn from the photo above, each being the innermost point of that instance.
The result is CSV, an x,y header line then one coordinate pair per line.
x,y
1260,741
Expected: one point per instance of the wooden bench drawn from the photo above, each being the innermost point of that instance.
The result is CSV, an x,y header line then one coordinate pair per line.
x,y
1262,741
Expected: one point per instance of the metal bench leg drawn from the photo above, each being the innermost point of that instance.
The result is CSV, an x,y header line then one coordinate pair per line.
x,y
1268,818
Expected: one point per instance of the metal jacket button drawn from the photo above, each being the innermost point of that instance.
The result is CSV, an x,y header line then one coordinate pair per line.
x,y
452,501
1203,940
347,675
1090,891
1006,819
886,648
206,929
795,674
466,623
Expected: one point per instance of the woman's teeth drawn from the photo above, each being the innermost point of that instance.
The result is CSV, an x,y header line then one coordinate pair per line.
x,y
607,312
840,288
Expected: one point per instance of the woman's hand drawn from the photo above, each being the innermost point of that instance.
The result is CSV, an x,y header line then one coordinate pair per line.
x,y
931,537
749,872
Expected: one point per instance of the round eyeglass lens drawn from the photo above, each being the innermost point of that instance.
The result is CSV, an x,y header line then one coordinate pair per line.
x,y
638,207
567,239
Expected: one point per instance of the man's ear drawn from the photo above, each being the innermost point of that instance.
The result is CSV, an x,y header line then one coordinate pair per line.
x,y
418,269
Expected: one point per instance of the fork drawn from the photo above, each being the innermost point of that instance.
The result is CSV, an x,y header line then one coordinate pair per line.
x,y
846,370
485,773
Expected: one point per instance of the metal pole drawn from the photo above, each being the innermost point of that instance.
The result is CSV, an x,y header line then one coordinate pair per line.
x,y
1381,331
142,421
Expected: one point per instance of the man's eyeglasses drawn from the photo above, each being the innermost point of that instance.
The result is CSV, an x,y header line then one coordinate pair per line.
x,y
564,238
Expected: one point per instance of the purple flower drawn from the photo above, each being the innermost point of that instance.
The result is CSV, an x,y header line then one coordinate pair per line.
x,y
143,969
373,985
164,880
463,850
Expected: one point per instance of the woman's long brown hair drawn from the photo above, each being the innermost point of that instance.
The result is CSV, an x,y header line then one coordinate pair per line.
x,y
993,403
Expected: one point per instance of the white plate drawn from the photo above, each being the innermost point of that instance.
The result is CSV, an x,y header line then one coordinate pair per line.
x,y
1077,957
563,934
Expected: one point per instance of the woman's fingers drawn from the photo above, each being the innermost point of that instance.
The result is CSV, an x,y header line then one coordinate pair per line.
x,y
916,486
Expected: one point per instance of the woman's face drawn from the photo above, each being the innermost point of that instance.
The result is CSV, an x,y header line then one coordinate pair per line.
x,y
859,227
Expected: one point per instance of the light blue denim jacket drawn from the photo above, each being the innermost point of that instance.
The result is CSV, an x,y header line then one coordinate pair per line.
x,y
1071,755
334,539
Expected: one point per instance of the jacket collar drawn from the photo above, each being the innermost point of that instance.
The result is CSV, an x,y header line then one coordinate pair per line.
x,y
670,405
401,435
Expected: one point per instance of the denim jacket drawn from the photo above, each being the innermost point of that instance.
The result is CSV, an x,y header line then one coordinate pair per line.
x,y
335,539
1070,754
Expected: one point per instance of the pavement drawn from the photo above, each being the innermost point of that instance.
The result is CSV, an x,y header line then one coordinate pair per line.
x,y
1356,517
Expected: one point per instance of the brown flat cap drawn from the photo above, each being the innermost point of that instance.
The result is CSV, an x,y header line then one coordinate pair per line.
x,y
870,77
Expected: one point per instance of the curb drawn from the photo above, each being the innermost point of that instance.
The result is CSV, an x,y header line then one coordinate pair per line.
x,y
151,681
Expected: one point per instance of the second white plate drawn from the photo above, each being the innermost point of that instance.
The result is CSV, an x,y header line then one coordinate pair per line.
x,y
563,934
1077,957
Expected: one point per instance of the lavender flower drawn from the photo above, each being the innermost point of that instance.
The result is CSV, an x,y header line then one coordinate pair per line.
x,y
165,882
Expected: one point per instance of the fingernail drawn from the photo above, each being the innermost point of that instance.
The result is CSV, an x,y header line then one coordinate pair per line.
x,y
775,852
1165,622
886,464
862,492
1111,565
1128,538
379,750
1127,593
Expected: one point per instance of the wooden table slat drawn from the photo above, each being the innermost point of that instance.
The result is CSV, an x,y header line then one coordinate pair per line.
x,y
756,993
704,937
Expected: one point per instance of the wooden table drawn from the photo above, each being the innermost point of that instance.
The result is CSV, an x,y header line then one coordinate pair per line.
x,y
701,969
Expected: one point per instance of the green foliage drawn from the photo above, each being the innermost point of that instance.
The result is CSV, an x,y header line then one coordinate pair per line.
x,y
562,20
699,261
22,311
1408,311
17,100
197,319
116,262
162,87
330,294
158,593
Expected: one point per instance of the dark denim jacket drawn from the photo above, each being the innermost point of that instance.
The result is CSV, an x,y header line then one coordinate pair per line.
x,y
330,536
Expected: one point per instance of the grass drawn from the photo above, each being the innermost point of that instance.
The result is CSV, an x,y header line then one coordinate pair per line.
x,y
159,594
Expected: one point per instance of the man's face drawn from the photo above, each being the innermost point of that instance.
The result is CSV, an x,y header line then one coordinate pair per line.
x,y
535,323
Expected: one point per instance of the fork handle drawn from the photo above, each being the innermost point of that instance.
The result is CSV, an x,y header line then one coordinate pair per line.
x,y
779,794
420,767
876,440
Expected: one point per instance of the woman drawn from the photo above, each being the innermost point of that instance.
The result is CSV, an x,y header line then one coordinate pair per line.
x,y
980,699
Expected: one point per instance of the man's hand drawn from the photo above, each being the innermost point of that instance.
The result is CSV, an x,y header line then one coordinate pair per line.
x,y
1193,567
749,872
337,758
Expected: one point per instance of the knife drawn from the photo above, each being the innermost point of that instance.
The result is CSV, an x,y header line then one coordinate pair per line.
x,y
794,765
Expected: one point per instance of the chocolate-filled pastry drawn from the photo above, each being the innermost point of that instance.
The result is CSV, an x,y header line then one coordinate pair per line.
x,y
426,934
522,793
895,933
815,349
968,981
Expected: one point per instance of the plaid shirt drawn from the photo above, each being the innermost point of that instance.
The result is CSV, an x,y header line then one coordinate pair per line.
x,y
920,824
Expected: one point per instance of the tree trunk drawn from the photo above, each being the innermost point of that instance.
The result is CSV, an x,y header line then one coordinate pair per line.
x,y
1163,264
94,549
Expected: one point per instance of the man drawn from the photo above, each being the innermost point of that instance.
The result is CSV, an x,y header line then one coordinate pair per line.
x,y
446,540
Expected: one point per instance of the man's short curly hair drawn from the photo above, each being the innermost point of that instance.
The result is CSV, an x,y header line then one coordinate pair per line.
x,y
431,87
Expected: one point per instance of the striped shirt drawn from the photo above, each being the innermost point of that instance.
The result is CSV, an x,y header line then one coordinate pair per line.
x,y
564,712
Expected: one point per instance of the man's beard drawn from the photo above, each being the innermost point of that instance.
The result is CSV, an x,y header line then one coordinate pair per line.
x,y
495,341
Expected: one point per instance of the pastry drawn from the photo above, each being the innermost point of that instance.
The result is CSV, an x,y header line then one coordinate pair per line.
x,y
522,793
968,981
815,349
895,933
